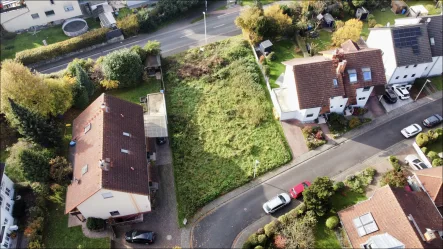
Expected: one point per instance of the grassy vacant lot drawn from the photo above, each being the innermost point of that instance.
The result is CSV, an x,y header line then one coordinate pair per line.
x,y
326,238
220,122
284,51
27,40
58,235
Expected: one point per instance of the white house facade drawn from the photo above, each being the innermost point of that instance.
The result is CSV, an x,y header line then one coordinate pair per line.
x,y
6,205
37,13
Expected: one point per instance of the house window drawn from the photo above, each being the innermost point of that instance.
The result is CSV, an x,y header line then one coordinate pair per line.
x,y
84,169
335,82
7,191
413,75
365,224
397,77
362,98
352,75
69,8
8,206
404,77
35,16
126,134
365,89
52,1
114,213
107,195
124,151
407,67
5,222
432,40
415,65
309,115
87,128
49,13
367,73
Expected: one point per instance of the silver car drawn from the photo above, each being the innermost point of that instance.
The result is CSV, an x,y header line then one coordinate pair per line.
x,y
411,130
276,203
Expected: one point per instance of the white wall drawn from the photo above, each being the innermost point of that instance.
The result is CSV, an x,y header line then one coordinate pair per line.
x,y
337,104
363,94
6,215
400,72
434,68
19,21
301,115
125,203
381,38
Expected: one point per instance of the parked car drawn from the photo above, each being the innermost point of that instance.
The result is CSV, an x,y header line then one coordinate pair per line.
x,y
160,140
401,92
411,130
276,203
297,190
390,96
140,237
432,121
415,163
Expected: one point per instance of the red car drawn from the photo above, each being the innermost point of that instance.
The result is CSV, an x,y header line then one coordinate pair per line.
x,y
296,191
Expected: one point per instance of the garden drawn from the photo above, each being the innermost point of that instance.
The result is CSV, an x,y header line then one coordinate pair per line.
x,y
220,121
431,144
314,137
339,124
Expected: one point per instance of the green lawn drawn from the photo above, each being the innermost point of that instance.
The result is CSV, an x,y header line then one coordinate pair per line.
x,y
133,94
27,41
252,2
436,81
220,122
326,238
323,41
284,50
123,12
58,235
437,146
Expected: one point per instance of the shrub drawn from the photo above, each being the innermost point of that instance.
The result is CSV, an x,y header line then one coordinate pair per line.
x,y
51,51
60,170
258,247
301,209
319,135
284,219
271,229
261,231
369,172
271,56
280,242
424,150
378,25
422,139
439,131
19,209
432,136
140,51
40,189
123,66
433,155
247,245
395,163
152,47
262,239
338,186
57,193
95,224
267,70
109,84
372,23
35,212
129,25
354,122
307,130
36,244
394,178
437,162
253,239
332,222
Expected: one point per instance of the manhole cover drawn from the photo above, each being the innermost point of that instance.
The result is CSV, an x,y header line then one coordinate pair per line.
x,y
168,237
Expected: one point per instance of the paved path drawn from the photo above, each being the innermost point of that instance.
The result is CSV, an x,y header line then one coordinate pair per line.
x,y
219,223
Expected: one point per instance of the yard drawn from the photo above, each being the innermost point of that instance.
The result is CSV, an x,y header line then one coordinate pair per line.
x,y
28,40
133,94
58,235
220,121
323,41
436,82
284,50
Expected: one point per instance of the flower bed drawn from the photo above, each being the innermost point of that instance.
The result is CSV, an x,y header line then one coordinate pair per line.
x,y
431,144
314,137
339,124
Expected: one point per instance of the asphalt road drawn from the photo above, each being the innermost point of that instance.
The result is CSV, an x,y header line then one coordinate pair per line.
x,y
220,228
174,39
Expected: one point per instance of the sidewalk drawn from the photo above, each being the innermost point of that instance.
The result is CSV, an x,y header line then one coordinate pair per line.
x,y
186,232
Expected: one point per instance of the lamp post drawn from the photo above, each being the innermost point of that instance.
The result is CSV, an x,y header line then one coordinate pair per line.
x,y
204,17
256,163
422,89
206,5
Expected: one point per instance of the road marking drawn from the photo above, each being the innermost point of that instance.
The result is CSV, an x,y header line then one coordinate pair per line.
x,y
228,14
185,36
218,26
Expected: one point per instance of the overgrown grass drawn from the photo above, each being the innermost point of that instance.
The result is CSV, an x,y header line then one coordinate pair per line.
x,y
284,50
3,155
27,40
58,235
123,12
220,122
323,41
133,94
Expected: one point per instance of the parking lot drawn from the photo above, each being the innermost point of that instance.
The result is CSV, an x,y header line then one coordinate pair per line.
x,y
389,107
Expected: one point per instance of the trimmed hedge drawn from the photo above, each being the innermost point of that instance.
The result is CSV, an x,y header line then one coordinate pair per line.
x,y
332,222
437,162
88,39
422,139
95,224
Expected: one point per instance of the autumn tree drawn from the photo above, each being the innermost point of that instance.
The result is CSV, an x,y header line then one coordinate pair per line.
x,y
279,20
61,92
152,47
253,23
351,30
317,196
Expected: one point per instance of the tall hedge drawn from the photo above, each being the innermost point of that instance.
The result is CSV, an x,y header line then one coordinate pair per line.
x,y
129,25
123,66
88,39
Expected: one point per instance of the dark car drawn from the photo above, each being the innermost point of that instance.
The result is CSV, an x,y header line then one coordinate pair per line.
x,y
141,237
432,121
160,140
390,96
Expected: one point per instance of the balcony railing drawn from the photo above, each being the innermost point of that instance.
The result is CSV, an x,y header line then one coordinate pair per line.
x,y
12,8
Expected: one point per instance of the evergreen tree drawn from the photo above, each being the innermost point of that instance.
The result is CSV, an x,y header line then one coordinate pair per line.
x,y
82,79
35,164
32,126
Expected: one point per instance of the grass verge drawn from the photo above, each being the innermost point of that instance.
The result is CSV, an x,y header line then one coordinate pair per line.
x,y
284,50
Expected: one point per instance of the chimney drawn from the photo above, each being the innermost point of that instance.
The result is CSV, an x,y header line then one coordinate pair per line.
x,y
104,107
429,235
104,165
341,67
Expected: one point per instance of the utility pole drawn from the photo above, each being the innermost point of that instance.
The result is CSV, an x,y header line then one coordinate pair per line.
x,y
206,5
204,17
427,81
256,163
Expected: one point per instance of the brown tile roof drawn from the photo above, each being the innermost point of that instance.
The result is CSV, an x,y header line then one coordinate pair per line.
x,y
390,209
105,139
431,179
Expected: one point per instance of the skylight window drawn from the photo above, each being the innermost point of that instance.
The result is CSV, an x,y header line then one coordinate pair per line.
x,y
367,73
87,128
352,75
365,224
84,169
124,151
335,82
126,134
432,40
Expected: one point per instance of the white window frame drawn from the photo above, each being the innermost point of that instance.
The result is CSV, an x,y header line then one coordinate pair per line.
x,y
68,8
366,70
126,134
107,195
125,151
335,82
35,17
46,13
432,41
85,169
87,128
352,72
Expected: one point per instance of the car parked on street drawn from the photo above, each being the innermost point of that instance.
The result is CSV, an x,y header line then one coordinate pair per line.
x,y
415,163
432,121
276,203
401,92
297,190
390,96
140,237
411,130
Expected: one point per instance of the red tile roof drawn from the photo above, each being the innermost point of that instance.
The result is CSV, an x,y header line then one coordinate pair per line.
x,y
105,139
431,179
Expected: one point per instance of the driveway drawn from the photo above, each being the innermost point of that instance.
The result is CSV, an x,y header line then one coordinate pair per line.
x,y
390,107
163,218
295,138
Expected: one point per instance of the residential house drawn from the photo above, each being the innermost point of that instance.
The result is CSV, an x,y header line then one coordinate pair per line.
x,y
412,48
38,13
6,205
110,168
329,83
393,218
430,181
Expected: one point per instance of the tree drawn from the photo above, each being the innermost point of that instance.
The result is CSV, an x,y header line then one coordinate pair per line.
x,y
332,222
60,169
35,165
82,79
280,20
140,51
129,25
32,126
300,233
351,30
152,47
61,92
25,88
123,66
317,196
14,169
253,23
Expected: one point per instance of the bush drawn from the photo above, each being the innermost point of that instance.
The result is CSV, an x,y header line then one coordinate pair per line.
x,y
424,150
152,47
261,231
19,209
140,51
284,219
422,139
95,224
109,84
354,122
36,244
439,131
271,229
262,239
267,70
378,25
338,186
432,136
433,155
51,51
247,245
395,163
437,162
60,170
319,135
369,172
129,25
258,247
57,193
253,239
394,178
280,242
332,222
271,56
123,66
372,23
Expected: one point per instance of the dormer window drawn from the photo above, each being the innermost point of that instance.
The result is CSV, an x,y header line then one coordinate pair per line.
x,y
367,73
335,82
432,40
87,128
352,75
84,169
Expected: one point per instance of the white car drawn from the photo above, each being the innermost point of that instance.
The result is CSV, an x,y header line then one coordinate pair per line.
x,y
276,203
402,92
411,130
415,163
